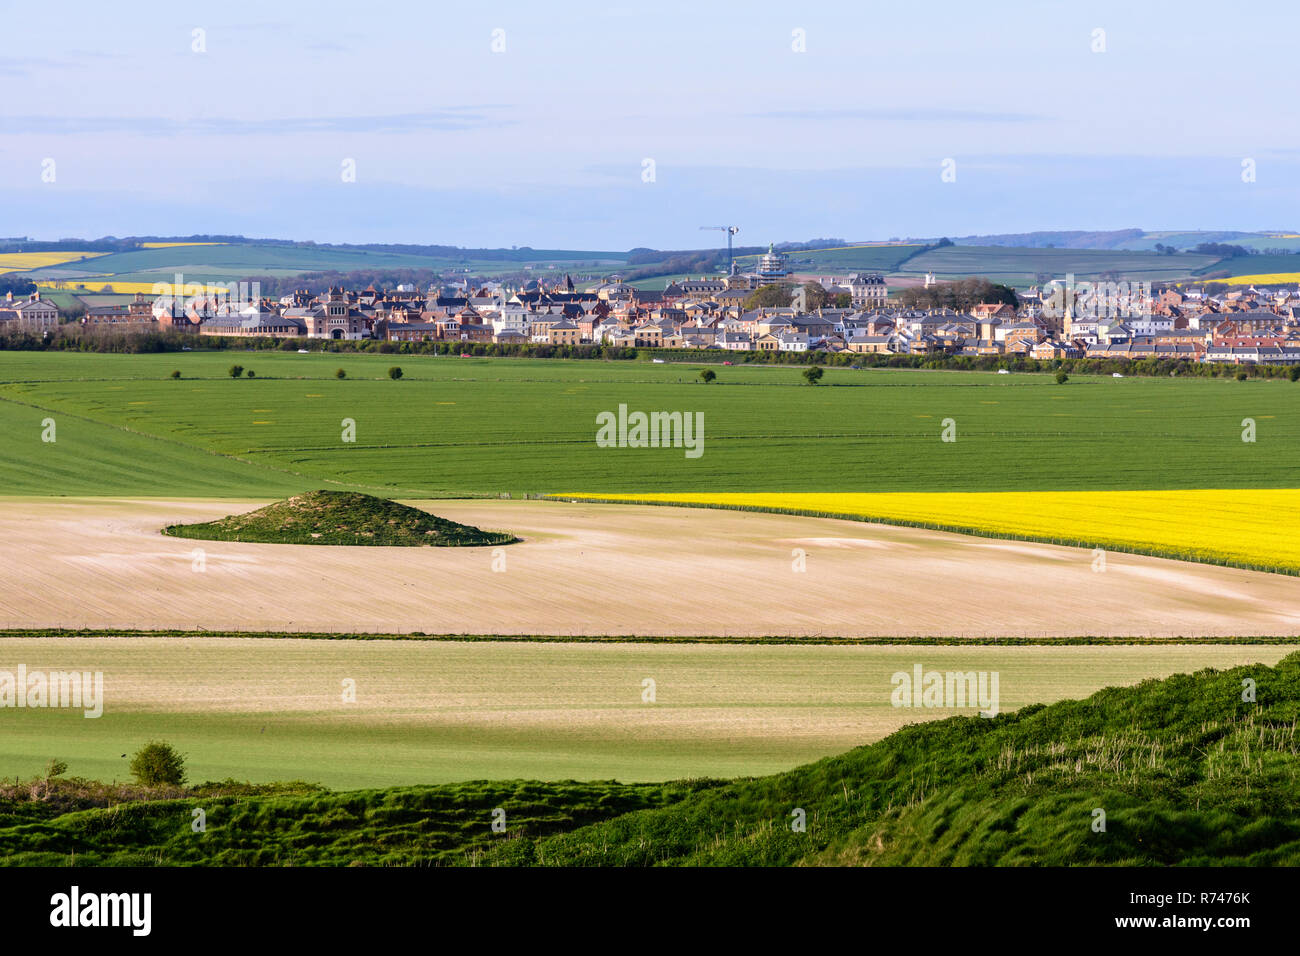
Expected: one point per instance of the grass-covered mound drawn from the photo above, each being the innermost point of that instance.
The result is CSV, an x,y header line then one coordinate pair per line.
x,y
340,517
1186,772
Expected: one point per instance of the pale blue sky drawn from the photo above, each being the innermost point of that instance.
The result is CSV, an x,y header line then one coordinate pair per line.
x,y
543,144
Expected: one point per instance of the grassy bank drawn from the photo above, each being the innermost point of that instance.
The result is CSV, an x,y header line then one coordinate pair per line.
x,y
1179,771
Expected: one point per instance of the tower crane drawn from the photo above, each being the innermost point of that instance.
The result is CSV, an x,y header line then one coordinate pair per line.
x,y
730,231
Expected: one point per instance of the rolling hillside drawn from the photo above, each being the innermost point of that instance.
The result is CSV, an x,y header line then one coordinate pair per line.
x,y
1015,259
1166,773
487,425
1252,265
1022,266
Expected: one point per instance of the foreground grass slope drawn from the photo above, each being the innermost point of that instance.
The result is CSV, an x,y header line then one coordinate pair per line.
x,y
1185,771
294,826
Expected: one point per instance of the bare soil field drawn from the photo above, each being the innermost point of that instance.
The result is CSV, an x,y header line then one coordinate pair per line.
x,y
602,569
439,711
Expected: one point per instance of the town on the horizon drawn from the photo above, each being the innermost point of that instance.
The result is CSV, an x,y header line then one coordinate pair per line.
x,y
765,309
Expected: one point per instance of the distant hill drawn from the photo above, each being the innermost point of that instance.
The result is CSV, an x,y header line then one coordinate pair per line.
x,y
1114,239
1133,240
124,267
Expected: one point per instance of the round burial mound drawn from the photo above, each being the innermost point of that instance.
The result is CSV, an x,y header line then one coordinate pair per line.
x,y
341,518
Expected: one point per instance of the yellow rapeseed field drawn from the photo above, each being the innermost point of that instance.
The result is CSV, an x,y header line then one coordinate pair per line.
x,y
26,261
1263,278
94,284
1254,528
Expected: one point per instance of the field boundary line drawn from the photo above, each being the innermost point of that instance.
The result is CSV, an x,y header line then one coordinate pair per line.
x,y
56,633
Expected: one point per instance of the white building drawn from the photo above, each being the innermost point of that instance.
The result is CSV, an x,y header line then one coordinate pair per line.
x,y
736,341
513,318
868,290
36,313
793,341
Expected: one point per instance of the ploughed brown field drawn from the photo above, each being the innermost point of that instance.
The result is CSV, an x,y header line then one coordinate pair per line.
x,y
601,569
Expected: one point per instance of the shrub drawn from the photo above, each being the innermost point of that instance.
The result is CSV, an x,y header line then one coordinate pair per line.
x,y
236,371
395,372
158,764
813,374
339,373
1293,373
250,374
176,373
708,375
55,768
1242,375
1061,377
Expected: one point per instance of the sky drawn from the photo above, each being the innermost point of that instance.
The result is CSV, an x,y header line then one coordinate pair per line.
x,y
611,125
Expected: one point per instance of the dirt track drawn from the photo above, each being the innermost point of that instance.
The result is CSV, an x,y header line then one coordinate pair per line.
x,y
608,569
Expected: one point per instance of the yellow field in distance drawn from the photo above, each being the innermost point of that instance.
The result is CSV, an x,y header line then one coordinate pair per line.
x,y
1263,278
91,285
1245,528
26,261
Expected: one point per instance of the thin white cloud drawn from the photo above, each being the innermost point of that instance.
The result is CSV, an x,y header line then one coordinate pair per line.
x,y
904,114
454,118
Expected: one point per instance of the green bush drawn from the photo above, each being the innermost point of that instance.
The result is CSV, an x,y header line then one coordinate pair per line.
x,y
395,372
236,371
1061,377
339,373
708,375
176,373
158,764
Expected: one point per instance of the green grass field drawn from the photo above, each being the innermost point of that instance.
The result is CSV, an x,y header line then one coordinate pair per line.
x,y
456,426
440,711
1254,265
1020,266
